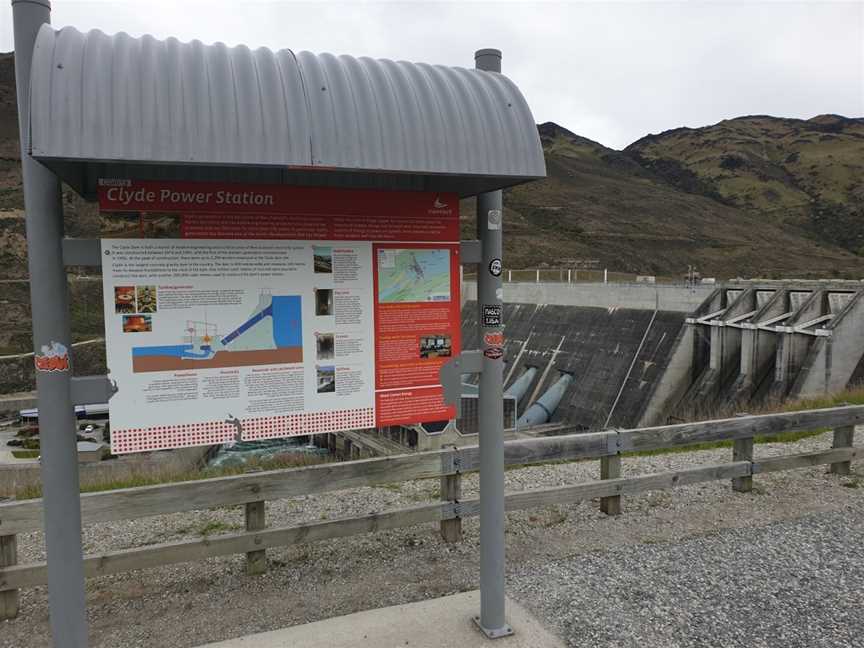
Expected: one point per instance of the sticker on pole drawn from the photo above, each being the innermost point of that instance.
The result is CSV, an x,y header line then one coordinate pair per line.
x,y
492,315
53,357
494,339
494,353
495,267
493,219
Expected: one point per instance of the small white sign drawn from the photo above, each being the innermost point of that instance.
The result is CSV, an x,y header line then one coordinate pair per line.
x,y
493,219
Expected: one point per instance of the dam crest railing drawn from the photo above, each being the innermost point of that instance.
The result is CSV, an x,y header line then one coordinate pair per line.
x,y
253,490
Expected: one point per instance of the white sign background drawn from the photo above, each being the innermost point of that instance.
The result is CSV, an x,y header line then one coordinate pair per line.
x,y
220,282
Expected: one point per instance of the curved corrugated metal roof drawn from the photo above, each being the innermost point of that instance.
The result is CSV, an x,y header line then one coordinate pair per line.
x,y
105,98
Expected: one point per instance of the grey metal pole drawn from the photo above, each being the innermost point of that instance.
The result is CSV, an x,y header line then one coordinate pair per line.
x,y
51,340
491,408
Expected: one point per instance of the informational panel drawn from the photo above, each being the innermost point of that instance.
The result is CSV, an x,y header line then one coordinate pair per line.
x,y
240,312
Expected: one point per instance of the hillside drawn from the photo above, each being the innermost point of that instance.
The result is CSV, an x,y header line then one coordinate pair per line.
x,y
633,214
805,174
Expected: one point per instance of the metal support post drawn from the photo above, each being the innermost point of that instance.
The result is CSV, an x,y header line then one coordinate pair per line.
x,y
490,407
51,341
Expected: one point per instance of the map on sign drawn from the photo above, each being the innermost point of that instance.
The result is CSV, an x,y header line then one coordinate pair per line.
x,y
413,275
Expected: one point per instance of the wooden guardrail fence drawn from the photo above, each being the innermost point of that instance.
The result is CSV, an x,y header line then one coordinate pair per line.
x,y
253,490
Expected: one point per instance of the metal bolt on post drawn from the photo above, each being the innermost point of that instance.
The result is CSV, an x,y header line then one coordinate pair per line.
x,y
51,341
491,410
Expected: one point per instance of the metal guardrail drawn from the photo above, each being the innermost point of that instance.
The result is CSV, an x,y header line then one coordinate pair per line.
x,y
579,275
255,489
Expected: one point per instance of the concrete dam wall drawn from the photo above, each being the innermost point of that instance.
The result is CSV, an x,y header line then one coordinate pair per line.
x,y
750,345
643,296
615,357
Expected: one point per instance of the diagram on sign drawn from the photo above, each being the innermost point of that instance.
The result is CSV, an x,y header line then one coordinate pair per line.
x,y
419,275
272,334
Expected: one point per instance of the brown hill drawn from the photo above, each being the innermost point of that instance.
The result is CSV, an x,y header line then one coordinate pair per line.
x,y
635,214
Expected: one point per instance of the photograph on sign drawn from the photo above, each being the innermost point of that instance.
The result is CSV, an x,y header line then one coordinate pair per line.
x,y
298,311
436,346
124,299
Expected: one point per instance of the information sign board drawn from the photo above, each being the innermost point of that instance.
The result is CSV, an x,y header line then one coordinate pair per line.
x,y
257,311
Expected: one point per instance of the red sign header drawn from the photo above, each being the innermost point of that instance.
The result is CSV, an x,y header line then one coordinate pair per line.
x,y
418,215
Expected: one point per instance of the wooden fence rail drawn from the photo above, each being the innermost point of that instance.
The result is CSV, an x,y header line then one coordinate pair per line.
x,y
253,490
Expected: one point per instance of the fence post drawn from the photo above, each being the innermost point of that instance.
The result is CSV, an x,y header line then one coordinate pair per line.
x,y
451,491
256,561
8,557
538,277
742,450
843,438
610,468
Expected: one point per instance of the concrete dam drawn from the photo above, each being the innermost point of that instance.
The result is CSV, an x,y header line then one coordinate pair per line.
x,y
594,356
609,360
751,345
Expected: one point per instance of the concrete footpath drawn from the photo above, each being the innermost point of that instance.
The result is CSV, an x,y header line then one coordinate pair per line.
x,y
436,623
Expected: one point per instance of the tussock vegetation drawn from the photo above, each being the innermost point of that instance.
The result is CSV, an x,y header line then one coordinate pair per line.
x,y
851,396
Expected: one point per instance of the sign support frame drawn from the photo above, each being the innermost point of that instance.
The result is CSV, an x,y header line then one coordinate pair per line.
x,y
491,620
58,391
52,341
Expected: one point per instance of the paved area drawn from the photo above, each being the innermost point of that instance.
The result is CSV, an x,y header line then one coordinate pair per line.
x,y
6,457
793,584
437,623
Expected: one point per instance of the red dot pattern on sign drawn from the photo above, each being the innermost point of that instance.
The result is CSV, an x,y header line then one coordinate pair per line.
x,y
271,427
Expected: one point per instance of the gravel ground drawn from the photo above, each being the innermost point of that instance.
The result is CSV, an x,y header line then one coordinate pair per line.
x,y
795,584
697,566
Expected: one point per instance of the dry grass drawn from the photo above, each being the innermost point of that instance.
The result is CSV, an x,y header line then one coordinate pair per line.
x,y
852,396
150,475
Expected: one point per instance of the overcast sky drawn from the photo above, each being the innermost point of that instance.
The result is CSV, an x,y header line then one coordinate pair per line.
x,y
610,71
